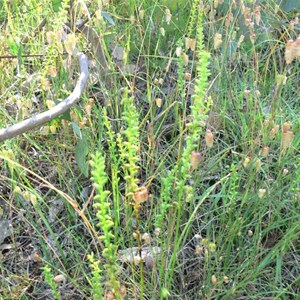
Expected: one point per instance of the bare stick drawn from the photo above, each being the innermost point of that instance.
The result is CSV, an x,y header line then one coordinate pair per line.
x,y
42,118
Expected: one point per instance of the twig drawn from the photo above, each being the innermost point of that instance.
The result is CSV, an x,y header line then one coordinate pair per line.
x,y
16,56
42,118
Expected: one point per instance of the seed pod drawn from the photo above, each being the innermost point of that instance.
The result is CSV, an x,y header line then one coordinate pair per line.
x,y
199,250
190,44
59,278
141,195
286,139
185,59
209,138
187,76
158,102
274,131
261,193
195,159
265,151
217,41
146,238
286,126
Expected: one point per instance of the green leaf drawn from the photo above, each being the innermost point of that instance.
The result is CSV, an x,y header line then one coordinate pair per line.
x,y
108,18
77,130
81,152
289,5
56,4
13,48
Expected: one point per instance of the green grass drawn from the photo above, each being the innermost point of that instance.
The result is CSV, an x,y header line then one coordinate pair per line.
x,y
115,174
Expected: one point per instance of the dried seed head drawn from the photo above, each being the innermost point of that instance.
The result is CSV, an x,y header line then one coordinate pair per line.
x,y
280,79
274,131
178,51
246,162
187,76
82,123
258,164
297,47
168,16
256,14
109,295
212,247
157,231
52,129
198,237
199,250
52,71
33,199
141,195
122,291
261,193
88,109
185,59
50,104
70,43
265,151
158,102
241,39
217,41
289,51
229,19
209,138
195,159
286,139
190,44
214,279
160,81
36,258
17,190
225,279
59,278
146,238
286,126
247,94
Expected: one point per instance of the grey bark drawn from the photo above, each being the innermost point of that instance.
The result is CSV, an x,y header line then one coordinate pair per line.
x,y
44,117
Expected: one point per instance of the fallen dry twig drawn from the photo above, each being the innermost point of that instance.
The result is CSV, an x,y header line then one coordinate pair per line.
x,y
44,117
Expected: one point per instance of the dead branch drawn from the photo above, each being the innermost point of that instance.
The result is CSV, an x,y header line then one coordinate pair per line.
x,y
44,117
